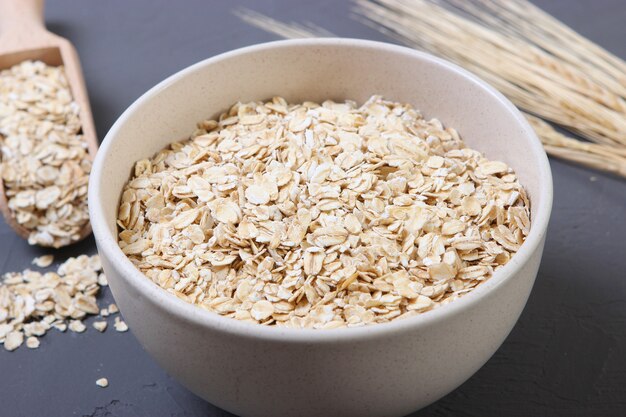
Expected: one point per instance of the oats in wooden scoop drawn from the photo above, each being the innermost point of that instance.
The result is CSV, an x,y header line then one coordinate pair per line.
x,y
44,160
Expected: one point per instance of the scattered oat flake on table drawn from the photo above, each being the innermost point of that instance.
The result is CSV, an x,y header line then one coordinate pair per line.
x,y
44,161
102,280
77,326
32,342
36,328
113,309
321,215
102,382
13,340
43,261
100,325
62,327
120,325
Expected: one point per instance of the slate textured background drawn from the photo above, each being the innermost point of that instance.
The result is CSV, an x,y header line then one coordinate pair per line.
x,y
565,357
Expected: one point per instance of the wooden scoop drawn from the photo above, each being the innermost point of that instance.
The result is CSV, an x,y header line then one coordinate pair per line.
x,y
23,36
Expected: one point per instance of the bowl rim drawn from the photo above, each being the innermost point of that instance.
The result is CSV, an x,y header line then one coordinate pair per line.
x,y
184,311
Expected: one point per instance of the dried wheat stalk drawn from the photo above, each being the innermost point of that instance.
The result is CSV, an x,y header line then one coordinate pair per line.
x,y
285,30
533,78
602,157
524,20
587,98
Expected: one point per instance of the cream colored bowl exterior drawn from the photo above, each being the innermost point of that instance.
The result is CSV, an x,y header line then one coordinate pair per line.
x,y
382,370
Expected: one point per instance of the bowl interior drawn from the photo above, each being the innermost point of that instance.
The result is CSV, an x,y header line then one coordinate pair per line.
x,y
317,70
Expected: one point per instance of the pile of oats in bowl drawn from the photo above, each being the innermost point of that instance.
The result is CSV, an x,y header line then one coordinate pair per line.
x,y
45,163
321,216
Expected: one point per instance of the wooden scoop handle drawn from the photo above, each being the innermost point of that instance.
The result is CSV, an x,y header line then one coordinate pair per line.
x,y
21,19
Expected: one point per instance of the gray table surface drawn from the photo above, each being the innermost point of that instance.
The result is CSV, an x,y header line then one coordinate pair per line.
x,y
565,357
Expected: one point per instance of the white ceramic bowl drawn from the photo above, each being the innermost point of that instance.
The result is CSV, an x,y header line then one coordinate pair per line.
x,y
387,369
